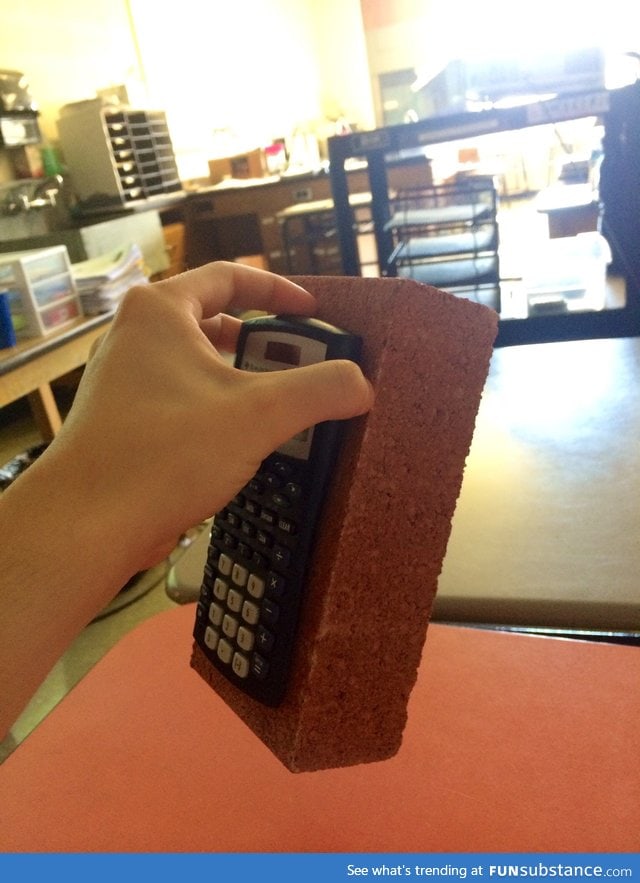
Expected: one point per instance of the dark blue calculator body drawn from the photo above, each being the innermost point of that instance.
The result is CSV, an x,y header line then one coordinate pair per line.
x,y
257,563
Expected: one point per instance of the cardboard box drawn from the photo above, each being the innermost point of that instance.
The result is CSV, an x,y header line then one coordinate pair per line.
x,y
242,165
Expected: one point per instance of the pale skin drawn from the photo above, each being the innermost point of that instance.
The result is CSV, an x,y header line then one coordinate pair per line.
x,y
162,433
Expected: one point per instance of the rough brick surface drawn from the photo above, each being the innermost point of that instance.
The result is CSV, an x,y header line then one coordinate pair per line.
x,y
385,528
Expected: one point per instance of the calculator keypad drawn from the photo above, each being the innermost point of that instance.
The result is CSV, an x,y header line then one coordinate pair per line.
x,y
248,604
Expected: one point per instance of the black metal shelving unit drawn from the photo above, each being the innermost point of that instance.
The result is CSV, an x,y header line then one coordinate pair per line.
x,y
380,147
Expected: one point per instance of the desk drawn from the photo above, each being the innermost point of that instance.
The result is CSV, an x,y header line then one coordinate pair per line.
x,y
237,220
547,527
513,744
28,368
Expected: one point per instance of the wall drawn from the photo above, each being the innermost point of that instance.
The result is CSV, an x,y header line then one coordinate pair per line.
x,y
241,73
426,34
405,34
235,76
343,62
67,50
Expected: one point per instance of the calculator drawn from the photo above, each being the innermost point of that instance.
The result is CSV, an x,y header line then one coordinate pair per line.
x,y
258,557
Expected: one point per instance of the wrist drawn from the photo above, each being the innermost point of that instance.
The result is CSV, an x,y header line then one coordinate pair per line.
x,y
77,521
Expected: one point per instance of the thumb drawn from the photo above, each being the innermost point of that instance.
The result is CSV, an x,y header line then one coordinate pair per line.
x,y
300,397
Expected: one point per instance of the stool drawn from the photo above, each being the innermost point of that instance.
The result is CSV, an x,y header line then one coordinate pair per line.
x,y
309,235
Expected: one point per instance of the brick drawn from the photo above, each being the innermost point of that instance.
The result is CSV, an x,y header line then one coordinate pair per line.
x,y
385,526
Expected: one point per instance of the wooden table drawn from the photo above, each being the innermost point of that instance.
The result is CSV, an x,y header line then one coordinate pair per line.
x,y
28,368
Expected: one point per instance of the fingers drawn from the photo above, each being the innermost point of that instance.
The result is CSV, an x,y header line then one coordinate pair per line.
x,y
217,286
222,330
296,399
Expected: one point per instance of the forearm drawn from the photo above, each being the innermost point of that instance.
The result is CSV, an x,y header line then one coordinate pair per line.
x,y
63,559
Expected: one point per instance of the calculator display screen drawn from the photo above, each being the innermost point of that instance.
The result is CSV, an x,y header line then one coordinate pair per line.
x,y
285,353
273,350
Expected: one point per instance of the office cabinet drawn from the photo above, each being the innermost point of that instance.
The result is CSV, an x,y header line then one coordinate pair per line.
x,y
118,156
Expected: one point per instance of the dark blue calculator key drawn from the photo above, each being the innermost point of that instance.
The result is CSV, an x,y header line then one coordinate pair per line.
x,y
287,525
275,584
293,490
229,541
269,612
244,550
268,516
280,501
216,531
264,538
282,470
255,486
233,519
273,481
281,556
259,560
264,639
206,589
259,666
252,507
248,529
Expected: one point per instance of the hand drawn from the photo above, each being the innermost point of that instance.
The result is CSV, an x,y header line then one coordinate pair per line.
x,y
164,431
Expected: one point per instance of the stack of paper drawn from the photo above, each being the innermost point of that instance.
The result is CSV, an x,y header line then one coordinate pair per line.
x,y
102,281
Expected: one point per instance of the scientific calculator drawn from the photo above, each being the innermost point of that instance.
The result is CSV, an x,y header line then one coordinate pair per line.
x,y
261,542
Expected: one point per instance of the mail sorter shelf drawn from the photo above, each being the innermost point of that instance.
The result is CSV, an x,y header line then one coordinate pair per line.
x,y
119,155
447,236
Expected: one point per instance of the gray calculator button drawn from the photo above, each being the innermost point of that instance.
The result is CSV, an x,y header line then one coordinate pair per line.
x,y
255,586
224,650
239,575
250,613
225,564
240,665
245,639
211,638
220,589
216,612
230,626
